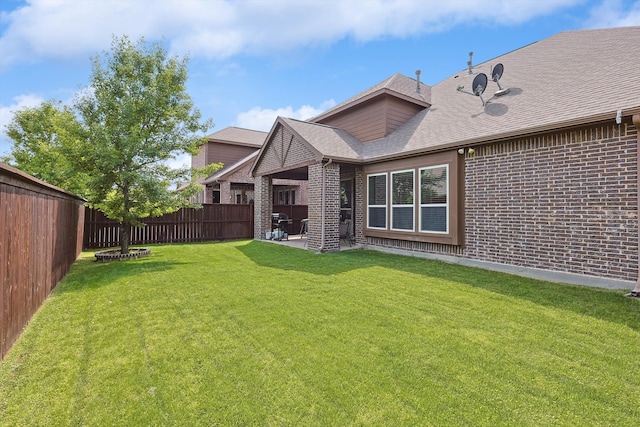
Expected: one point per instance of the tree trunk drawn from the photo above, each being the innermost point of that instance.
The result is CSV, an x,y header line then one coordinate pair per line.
x,y
124,227
124,238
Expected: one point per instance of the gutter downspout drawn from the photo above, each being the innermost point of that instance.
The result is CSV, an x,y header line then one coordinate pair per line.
x,y
323,212
636,122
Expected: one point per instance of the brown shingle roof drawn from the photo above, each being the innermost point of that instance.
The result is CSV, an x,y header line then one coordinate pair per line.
x,y
572,78
239,136
330,141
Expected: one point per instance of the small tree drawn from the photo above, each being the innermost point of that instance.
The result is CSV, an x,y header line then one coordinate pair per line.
x,y
136,116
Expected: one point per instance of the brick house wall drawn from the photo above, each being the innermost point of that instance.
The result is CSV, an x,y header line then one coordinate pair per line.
x,y
331,207
240,182
262,208
358,189
299,186
225,192
565,202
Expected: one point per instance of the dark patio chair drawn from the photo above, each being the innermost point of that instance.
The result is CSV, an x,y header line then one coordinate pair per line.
x,y
345,231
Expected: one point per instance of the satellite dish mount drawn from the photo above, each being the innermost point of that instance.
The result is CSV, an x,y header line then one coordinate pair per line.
x,y
478,87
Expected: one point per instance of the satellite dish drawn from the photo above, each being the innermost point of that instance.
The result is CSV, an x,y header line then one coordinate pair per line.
x,y
479,84
496,73
478,87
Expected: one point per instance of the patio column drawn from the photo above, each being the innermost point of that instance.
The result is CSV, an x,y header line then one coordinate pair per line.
x,y
359,206
324,207
263,189
225,193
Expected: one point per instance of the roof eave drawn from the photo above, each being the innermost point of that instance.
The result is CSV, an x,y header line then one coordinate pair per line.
x,y
583,121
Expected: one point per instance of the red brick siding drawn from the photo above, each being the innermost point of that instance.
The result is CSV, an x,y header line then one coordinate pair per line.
x,y
331,207
262,207
564,202
314,201
359,205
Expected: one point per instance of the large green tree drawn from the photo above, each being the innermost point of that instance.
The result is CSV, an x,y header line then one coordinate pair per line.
x,y
134,117
137,115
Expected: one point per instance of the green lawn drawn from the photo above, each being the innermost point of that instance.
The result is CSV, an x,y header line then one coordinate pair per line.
x,y
252,333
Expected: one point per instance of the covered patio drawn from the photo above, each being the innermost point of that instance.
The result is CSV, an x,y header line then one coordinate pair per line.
x,y
327,159
301,242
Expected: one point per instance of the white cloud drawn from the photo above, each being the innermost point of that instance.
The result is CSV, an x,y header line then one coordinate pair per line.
x,y
614,13
262,119
181,161
222,28
20,102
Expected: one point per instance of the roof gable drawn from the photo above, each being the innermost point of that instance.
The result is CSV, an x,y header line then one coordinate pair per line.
x,y
398,85
283,150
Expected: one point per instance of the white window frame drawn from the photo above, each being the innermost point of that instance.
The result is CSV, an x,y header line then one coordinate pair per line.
x,y
385,206
428,205
406,205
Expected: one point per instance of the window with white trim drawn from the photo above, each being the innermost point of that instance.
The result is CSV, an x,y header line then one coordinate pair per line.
x,y
434,199
377,201
402,200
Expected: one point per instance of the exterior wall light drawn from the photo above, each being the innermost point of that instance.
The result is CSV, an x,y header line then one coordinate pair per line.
x,y
469,150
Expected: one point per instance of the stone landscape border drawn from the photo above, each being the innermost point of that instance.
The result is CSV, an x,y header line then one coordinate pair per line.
x,y
115,255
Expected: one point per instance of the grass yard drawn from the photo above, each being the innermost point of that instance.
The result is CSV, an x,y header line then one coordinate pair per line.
x,y
252,333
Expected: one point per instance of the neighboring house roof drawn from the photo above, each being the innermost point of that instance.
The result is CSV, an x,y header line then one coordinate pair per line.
x,y
239,136
224,173
570,79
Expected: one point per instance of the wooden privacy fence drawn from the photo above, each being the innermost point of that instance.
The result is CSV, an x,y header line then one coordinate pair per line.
x,y
211,222
40,237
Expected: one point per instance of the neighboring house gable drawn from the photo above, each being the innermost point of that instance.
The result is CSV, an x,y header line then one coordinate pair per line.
x,y
228,146
236,149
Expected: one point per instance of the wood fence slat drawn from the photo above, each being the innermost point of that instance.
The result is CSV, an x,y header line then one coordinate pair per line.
x,y
186,225
41,229
209,223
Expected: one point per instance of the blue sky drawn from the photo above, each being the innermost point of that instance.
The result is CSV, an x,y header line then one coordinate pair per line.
x,y
252,60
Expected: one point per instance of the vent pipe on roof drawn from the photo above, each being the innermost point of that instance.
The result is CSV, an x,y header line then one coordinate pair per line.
x,y
470,62
418,81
